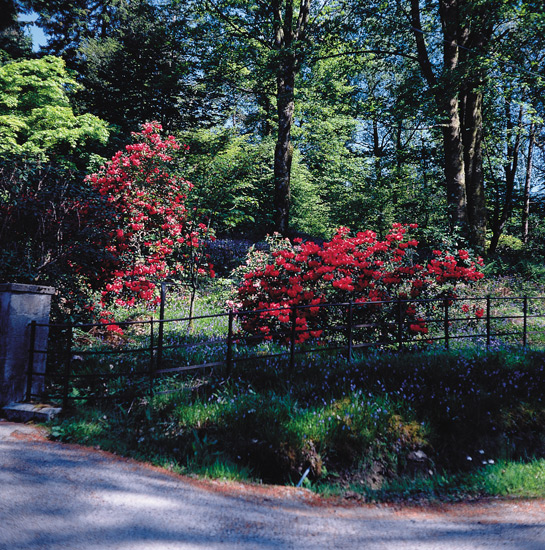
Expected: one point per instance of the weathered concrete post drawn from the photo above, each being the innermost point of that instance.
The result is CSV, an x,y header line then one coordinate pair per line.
x,y
19,305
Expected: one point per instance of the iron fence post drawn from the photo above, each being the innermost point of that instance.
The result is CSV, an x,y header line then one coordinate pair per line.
x,y
292,338
525,321
30,372
67,368
349,331
488,309
399,325
151,350
161,325
446,324
229,358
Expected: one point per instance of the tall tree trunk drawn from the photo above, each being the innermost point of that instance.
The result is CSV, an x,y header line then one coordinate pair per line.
x,y
283,153
527,180
454,168
398,167
472,136
510,169
462,107
446,98
288,31
377,154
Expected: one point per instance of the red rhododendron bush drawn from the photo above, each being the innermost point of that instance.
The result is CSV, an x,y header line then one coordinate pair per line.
x,y
149,235
356,268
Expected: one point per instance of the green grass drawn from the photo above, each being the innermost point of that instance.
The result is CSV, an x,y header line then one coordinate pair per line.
x,y
223,470
514,479
502,479
356,426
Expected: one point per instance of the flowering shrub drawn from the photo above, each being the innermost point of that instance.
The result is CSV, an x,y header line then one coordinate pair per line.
x,y
149,234
357,268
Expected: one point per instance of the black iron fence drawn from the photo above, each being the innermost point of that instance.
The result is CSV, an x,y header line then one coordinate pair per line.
x,y
149,349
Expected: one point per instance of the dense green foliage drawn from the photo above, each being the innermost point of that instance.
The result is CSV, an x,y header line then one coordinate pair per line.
x,y
45,148
362,134
36,117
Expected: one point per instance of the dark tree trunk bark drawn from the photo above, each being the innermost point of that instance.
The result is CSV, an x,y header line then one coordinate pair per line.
x,y
454,166
472,136
377,154
461,105
446,98
527,180
288,30
283,153
399,166
510,169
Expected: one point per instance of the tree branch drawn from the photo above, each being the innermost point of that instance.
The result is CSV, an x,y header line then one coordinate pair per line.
x,y
423,58
302,20
361,52
240,31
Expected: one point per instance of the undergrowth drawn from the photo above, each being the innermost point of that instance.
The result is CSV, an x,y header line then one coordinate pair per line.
x,y
431,424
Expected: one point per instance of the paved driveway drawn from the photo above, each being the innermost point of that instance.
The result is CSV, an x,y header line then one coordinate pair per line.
x,y
57,497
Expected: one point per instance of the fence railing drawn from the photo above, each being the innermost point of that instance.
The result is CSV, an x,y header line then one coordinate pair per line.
x,y
344,328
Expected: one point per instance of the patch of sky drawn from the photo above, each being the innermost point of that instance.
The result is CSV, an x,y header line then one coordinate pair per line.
x,y
38,37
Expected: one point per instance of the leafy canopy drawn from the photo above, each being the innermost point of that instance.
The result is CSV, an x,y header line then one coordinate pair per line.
x,y
36,117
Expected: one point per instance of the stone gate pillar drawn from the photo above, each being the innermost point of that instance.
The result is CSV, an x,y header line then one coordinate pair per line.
x,y
19,305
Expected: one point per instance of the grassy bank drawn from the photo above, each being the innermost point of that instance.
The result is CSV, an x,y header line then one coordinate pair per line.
x,y
419,425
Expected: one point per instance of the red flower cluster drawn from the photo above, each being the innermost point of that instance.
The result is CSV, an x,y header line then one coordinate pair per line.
x,y
150,236
360,268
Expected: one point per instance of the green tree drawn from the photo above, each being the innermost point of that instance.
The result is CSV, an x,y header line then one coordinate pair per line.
x,y
14,43
262,48
44,148
514,117
68,24
36,117
234,189
133,58
232,177
471,35
135,73
376,110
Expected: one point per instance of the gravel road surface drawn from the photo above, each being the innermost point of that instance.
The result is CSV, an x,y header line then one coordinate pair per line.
x,y
57,497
